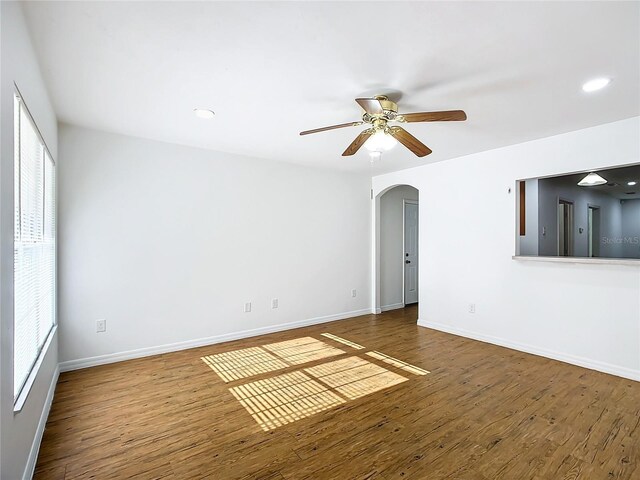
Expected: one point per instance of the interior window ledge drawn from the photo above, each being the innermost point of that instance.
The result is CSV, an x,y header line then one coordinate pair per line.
x,y
22,398
590,260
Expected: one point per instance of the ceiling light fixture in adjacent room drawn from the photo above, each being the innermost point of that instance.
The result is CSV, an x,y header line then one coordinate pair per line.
x,y
203,113
596,84
592,180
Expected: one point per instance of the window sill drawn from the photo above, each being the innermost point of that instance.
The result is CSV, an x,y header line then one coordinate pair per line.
x,y
22,398
591,261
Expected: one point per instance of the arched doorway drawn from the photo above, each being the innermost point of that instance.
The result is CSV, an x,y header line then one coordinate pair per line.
x,y
396,256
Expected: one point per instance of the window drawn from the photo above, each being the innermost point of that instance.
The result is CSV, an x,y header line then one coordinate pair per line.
x,y
588,214
34,246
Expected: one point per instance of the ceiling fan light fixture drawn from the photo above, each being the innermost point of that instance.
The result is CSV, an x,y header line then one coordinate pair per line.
x,y
379,137
380,142
592,180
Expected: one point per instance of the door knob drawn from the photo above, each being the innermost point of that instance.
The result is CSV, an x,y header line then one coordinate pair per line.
x,y
407,261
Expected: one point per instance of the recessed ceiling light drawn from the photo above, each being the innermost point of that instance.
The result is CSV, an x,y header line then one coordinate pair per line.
x,y
596,84
203,113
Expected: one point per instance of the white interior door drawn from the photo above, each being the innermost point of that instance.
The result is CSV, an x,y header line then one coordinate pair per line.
x,y
410,252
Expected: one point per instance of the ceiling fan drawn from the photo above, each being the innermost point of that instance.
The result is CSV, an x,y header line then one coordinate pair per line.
x,y
378,112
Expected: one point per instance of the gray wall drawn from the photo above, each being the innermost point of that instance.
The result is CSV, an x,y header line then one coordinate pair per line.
x,y
550,190
19,431
631,228
391,248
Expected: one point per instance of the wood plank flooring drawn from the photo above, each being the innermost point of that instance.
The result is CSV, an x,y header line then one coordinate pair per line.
x,y
482,413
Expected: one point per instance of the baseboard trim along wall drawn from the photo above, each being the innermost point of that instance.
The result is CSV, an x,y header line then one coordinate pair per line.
x,y
37,440
393,306
201,342
542,352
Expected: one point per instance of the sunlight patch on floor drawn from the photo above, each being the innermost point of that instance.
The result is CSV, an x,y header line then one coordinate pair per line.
x,y
276,401
343,341
398,363
248,362
244,363
303,350
355,377
286,398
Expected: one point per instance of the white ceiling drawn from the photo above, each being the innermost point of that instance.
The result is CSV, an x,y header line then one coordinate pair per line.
x,y
272,69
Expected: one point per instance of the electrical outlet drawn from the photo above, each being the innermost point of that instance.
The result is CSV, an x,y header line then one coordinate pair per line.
x,y
247,307
101,326
472,308
274,303
353,292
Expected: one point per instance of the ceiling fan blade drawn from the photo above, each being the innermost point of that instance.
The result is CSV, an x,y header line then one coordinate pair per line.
x,y
332,127
446,116
370,105
358,142
409,141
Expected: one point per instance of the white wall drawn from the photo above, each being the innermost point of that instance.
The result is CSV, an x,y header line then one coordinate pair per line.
x,y
167,243
586,314
19,431
631,228
391,247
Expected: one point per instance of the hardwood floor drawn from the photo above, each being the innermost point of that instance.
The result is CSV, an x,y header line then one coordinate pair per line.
x,y
482,413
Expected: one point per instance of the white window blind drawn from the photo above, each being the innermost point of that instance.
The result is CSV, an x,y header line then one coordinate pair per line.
x,y
34,246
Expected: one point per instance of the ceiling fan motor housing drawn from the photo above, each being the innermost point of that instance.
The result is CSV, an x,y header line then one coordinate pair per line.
x,y
389,113
387,105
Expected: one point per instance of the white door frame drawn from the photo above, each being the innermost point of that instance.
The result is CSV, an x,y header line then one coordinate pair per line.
x,y
405,201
